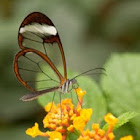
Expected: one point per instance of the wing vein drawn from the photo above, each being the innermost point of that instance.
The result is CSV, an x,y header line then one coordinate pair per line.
x,y
28,70
41,69
47,74
33,40
38,81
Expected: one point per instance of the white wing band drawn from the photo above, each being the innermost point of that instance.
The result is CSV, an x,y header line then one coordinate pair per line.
x,y
39,28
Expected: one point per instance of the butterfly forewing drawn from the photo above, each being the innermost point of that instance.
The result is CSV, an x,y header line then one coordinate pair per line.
x,y
38,32
49,49
41,54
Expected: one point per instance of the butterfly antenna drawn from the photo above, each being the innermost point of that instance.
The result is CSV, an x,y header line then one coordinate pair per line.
x,y
90,71
97,73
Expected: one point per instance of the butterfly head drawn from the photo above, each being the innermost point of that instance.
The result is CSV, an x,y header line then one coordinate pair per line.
x,y
74,83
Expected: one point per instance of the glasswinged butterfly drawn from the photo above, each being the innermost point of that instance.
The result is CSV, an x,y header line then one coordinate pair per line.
x,y
39,42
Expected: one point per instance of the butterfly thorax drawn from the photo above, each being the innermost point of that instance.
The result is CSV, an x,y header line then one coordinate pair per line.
x,y
69,85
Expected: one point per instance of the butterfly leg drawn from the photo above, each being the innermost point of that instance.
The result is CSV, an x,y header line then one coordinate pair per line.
x,y
52,101
60,105
70,91
78,100
71,97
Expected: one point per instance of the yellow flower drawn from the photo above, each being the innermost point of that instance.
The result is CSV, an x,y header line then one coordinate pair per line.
x,y
85,138
86,114
127,138
65,115
59,118
70,128
97,133
67,102
110,119
49,106
65,118
79,123
34,131
80,92
101,132
78,109
111,136
95,126
55,135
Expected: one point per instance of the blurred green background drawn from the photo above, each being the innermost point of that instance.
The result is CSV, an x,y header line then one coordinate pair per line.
x,y
90,31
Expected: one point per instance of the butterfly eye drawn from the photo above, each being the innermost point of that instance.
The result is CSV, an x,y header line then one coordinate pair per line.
x,y
75,85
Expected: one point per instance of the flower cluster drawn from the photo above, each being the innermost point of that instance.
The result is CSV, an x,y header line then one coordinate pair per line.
x,y
99,134
64,118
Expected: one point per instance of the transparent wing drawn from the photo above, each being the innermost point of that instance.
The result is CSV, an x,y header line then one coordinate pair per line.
x,y
50,50
38,32
31,63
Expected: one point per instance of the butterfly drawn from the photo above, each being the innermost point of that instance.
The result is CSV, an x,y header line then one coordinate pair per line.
x,y
40,44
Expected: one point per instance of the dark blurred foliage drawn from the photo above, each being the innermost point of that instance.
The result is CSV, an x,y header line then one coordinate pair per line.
x,y
90,31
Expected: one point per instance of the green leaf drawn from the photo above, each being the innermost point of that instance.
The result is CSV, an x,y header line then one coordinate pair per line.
x,y
124,118
125,130
93,99
122,85
73,136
